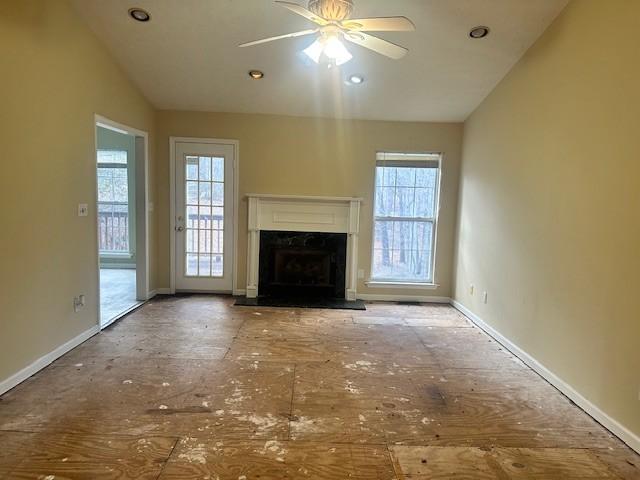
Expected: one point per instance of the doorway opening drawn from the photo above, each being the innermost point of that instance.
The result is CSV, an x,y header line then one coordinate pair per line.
x,y
121,219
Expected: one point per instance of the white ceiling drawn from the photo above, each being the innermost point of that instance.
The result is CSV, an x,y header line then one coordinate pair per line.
x,y
186,57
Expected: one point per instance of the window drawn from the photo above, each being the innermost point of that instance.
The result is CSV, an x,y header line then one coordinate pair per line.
x,y
405,215
113,202
204,192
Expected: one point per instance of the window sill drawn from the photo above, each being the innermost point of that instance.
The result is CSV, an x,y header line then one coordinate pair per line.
x,y
385,284
116,255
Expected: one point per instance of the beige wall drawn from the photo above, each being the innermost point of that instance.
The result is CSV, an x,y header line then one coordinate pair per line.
x,y
55,76
306,156
549,220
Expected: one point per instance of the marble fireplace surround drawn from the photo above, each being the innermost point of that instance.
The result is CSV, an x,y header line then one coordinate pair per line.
x,y
303,214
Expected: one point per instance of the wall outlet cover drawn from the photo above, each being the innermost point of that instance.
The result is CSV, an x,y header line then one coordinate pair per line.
x,y
83,210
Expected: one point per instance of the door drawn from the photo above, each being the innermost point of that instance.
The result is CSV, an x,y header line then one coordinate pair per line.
x,y
204,216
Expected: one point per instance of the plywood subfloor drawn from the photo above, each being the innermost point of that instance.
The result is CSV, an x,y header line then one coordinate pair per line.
x,y
192,387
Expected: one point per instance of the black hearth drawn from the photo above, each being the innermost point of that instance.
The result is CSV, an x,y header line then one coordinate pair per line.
x,y
299,265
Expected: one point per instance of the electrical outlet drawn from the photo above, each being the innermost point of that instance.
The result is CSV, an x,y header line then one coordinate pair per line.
x,y
471,289
484,297
83,210
360,273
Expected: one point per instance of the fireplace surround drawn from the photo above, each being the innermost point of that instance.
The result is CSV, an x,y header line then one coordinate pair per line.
x,y
295,225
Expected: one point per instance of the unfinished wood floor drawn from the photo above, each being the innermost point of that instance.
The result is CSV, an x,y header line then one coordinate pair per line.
x,y
194,388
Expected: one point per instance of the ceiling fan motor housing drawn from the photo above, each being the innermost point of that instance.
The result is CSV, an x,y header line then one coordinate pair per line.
x,y
332,10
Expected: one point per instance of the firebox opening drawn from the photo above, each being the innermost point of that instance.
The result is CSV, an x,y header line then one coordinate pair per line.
x,y
302,264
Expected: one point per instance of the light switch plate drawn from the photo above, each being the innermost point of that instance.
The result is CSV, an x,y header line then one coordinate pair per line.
x,y
83,210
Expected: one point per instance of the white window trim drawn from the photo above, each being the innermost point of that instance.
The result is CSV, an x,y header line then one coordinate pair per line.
x,y
403,285
115,254
375,282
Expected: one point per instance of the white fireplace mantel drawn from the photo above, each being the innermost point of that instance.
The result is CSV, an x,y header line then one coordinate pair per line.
x,y
303,214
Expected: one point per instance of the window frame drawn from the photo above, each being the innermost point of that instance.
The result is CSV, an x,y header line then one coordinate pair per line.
x,y
394,158
114,165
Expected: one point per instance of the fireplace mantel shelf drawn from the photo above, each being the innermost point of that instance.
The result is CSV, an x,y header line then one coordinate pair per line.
x,y
309,198
298,213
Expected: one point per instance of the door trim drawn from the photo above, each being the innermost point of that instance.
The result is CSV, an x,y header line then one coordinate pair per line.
x,y
142,207
172,203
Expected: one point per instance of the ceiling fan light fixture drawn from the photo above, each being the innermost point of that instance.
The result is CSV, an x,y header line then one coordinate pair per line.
x,y
256,74
314,51
335,50
330,48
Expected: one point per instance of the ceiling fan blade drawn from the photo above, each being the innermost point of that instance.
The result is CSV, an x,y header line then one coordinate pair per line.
x,y
279,37
381,24
300,10
376,44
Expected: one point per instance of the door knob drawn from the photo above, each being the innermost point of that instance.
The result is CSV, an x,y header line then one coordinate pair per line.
x,y
179,229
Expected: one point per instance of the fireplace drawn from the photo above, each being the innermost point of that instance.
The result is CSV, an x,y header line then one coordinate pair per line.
x,y
314,242
302,264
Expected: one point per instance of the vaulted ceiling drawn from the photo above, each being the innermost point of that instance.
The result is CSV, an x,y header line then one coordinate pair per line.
x,y
187,56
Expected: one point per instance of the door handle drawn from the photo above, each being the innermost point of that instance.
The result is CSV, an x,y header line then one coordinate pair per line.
x,y
179,229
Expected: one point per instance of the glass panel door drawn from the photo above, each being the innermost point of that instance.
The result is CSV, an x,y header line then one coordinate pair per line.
x,y
204,209
204,216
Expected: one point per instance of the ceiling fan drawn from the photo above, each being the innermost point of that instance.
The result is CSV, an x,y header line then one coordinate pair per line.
x,y
334,24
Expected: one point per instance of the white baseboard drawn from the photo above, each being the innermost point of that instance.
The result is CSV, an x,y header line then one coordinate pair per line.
x,y
239,291
402,298
151,294
163,291
619,430
45,360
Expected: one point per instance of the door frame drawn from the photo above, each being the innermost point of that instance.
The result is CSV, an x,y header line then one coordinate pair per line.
x,y
142,210
172,203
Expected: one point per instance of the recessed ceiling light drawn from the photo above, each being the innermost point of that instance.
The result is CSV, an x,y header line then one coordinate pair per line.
x,y
479,32
356,79
256,74
139,14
